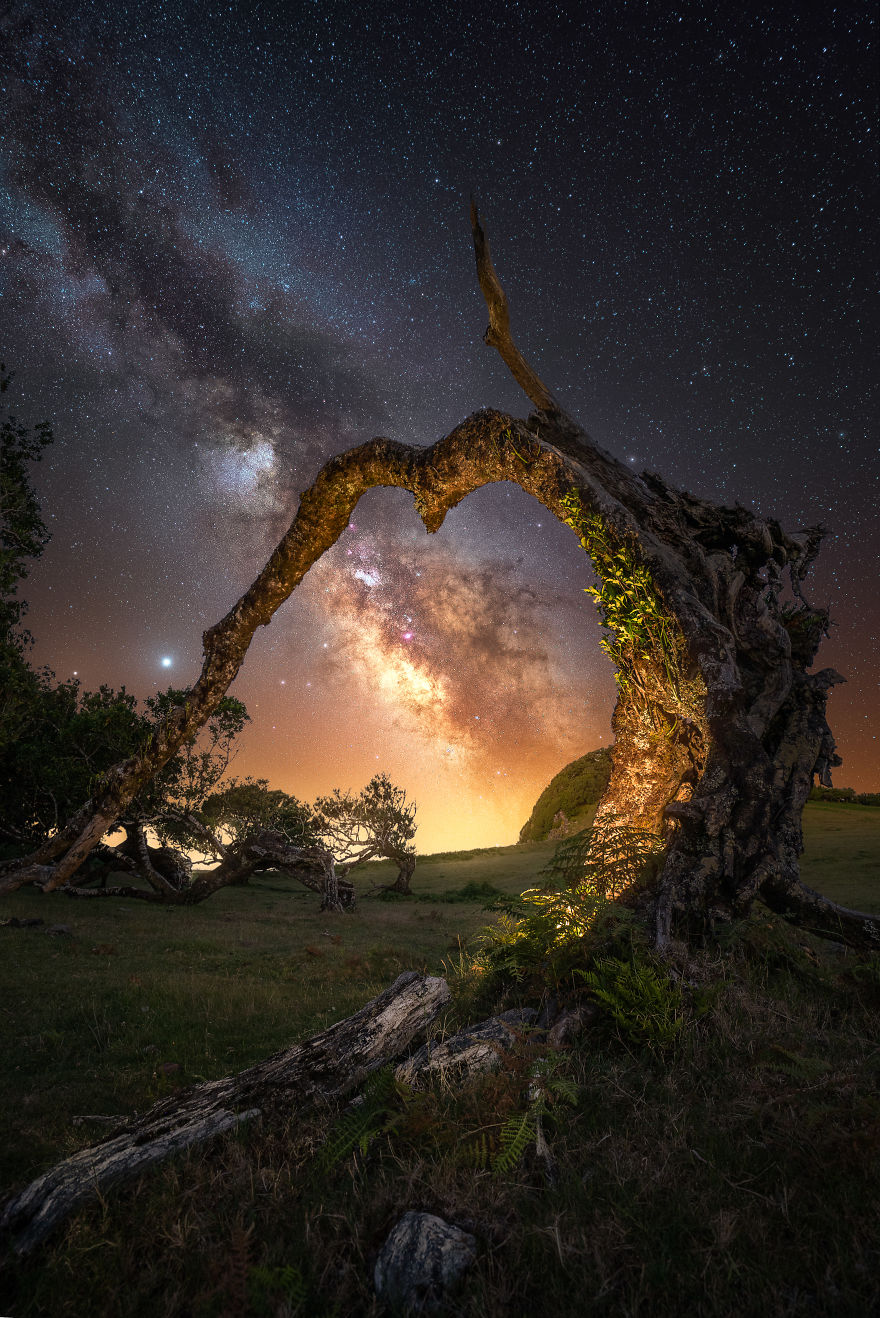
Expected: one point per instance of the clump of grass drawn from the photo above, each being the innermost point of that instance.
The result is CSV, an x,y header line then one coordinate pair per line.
x,y
487,894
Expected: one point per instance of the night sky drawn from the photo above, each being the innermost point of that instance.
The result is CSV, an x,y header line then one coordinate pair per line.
x,y
234,241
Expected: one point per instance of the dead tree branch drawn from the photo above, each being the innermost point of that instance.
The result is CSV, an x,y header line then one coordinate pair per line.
x,y
324,1067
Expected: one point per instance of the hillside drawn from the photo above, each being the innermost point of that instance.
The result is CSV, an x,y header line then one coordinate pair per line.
x,y
574,790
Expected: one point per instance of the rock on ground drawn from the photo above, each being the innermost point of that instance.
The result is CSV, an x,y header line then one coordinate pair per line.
x,y
421,1262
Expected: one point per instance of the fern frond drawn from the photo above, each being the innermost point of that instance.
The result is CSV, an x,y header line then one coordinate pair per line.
x,y
375,1113
643,1002
564,1088
477,1153
517,1133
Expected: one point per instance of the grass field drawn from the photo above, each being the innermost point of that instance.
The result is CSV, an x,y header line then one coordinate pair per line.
x,y
91,1019
842,853
736,1173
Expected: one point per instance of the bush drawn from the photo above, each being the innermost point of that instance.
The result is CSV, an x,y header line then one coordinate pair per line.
x,y
544,932
844,796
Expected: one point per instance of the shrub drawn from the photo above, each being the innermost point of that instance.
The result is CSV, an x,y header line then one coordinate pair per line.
x,y
645,1004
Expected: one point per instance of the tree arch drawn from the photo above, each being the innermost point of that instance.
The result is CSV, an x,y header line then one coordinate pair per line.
x,y
719,725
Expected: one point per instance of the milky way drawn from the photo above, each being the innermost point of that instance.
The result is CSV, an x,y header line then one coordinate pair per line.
x,y
233,244
455,648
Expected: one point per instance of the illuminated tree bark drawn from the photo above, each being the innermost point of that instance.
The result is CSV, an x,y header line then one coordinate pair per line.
x,y
719,725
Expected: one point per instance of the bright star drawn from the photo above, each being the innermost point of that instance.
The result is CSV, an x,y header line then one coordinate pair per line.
x,y
166,661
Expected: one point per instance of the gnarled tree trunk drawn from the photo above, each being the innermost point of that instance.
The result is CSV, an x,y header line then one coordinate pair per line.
x,y
720,725
406,868
314,867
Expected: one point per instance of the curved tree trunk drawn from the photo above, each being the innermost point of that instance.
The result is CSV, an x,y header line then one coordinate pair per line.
x,y
314,867
720,726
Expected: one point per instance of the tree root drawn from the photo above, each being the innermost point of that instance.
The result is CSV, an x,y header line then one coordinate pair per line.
x,y
821,916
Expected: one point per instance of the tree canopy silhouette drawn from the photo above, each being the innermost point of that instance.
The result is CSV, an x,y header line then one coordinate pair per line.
x,y
720,726
377,822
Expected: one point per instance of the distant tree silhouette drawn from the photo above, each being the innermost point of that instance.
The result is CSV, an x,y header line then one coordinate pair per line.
x,y
377,822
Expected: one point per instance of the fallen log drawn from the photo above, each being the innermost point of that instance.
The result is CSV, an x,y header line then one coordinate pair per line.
x,y
470,1052
324,1067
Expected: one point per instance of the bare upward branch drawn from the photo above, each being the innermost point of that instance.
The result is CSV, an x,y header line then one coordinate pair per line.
x,y
498,334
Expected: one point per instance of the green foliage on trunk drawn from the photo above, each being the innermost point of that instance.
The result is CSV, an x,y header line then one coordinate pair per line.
x,y
641,633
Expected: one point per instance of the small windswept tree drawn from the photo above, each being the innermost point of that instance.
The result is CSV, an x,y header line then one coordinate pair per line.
x,y
378,822
249,827
238,829
241,807
169,805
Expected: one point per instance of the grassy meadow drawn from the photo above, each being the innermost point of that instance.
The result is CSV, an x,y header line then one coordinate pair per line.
x,y
730,1168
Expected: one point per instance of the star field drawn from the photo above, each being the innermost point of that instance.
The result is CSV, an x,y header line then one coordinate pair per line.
x,y
234,241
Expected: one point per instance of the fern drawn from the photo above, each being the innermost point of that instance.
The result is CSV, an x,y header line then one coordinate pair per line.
x,y
543,930
504,1147
478,1153
645,1005
608,857
549,1088
517,1133
236,1269
797,1065
376,1112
